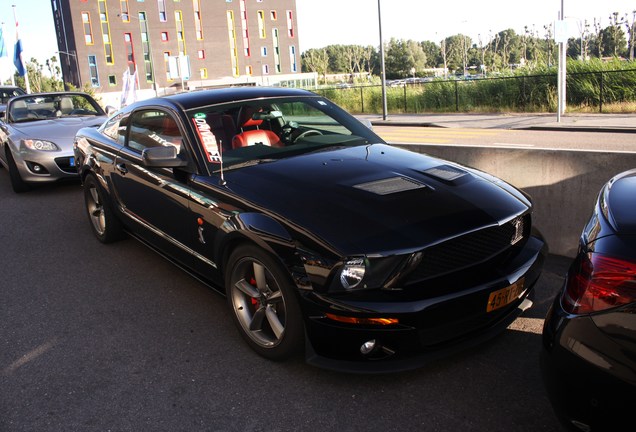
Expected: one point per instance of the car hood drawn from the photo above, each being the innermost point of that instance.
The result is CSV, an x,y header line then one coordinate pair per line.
x,y
61,131
377,198
620,198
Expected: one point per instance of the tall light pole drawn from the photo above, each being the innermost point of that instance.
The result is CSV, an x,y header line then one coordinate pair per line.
x,y
562,40
383,71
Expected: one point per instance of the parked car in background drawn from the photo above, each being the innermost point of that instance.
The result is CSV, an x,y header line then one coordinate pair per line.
x,y
6,93
37,132
589,337
324,239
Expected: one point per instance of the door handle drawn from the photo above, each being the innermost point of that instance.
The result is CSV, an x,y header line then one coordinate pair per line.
x,y
121,167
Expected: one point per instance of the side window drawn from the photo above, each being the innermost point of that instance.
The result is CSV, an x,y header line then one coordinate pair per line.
x,y
153,128
115,128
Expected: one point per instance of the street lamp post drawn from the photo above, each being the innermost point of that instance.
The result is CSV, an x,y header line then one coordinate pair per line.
x,y
383,71
77,69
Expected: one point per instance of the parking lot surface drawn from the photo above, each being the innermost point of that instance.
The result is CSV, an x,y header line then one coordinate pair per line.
x,y
114,338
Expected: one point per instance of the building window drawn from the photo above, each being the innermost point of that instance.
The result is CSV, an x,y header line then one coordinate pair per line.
x,y
112,80
166,59
164,36
125,16
233,47
178,18
273,15
290,24
248,70
265,69
198,28
88,28
261,25
161,5
203,72
246,36
105,26
145,46
201,54
276,43
292,58
263,51
92,68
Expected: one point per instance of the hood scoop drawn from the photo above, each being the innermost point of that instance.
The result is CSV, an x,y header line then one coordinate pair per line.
x,y
445,172
390,186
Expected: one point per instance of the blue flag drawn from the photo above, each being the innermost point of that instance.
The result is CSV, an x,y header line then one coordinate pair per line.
x,y
17,58
3,47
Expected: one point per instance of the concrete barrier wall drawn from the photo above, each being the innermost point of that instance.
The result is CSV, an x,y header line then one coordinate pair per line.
x,y
564,184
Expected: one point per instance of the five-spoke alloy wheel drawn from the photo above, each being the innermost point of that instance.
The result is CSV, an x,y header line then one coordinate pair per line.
x,y
263,303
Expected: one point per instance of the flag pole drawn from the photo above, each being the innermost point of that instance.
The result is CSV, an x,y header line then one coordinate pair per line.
x,y
18,43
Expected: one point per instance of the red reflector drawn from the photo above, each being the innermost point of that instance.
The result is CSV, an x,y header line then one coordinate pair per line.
x,y
363,321
597,282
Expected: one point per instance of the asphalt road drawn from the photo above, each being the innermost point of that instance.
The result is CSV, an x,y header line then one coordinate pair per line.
x,y
114,338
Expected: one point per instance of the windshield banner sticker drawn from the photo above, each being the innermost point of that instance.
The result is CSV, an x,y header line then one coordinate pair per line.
x,y
210,145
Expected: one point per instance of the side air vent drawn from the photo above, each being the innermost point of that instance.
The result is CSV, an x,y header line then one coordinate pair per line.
x,y
390,186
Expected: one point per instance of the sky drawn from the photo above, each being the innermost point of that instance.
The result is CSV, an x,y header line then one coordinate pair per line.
x,y
327,22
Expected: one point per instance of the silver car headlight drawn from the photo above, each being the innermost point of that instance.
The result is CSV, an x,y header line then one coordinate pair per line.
x,y
40,145
352,273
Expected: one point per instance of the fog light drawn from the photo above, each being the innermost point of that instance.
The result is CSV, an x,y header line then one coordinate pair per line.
x,y
36,168
368,347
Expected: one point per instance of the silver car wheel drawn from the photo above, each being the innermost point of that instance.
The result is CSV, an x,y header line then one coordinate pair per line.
x,y
96,210
258,303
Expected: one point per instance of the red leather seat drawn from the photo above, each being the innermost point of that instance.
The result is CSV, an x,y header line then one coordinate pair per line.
x,y
255,135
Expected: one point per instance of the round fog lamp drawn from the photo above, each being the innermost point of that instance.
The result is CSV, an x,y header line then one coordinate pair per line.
x,y
368,347
352,273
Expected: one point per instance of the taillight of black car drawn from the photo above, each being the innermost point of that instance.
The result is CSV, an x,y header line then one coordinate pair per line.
x,y
598,282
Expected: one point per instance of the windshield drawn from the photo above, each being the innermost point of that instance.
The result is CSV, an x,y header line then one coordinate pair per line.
x,y
51,106
256,131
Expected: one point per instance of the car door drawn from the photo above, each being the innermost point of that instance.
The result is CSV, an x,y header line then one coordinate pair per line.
x,y
156,200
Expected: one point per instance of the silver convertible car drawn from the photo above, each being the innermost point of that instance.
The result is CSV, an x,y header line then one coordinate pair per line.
x,y
37,132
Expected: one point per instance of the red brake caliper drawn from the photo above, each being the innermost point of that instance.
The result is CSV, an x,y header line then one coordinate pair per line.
x,y
254,301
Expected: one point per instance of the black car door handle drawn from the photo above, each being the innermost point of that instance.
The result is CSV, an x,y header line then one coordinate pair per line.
x,y
122,168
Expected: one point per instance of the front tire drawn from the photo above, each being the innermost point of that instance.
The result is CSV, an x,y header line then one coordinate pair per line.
x,y
263,303
17,183
104,224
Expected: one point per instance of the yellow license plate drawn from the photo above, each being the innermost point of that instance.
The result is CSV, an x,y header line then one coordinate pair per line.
x,y
504,296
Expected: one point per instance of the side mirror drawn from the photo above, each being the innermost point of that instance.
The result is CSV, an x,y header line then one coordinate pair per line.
x,y
162,157
110,109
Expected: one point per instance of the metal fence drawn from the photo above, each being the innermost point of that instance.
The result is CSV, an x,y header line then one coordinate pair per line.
x,y
589,91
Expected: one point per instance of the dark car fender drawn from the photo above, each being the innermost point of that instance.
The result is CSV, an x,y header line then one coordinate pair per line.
x,y
265,232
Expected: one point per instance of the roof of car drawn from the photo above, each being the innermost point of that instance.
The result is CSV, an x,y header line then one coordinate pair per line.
x,y
199,98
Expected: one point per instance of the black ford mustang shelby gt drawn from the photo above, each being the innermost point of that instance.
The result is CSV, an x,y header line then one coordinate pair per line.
x,y
320,234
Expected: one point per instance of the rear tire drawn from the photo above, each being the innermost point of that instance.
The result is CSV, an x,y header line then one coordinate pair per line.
x,y
104,224
263,303
17,183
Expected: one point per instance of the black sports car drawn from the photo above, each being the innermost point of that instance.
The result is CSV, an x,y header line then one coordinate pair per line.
x,y
321,235
589,335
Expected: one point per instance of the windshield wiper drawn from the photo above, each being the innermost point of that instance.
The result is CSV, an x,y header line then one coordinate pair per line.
x,y
248,163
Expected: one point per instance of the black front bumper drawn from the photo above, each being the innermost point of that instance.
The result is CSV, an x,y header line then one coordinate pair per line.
x,y
428,328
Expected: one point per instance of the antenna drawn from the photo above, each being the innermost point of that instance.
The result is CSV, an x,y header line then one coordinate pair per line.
x,y
222,182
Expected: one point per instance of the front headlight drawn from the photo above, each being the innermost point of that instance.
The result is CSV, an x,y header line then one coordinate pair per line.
x,y
40,145
352,273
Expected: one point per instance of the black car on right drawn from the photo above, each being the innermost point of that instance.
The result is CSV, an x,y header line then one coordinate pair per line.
x,y
588,358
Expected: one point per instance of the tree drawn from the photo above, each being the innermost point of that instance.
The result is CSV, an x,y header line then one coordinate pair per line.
x,y
316,60
432,52
403,56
